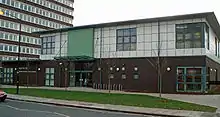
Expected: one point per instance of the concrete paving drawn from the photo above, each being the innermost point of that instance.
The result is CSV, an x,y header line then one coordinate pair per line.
x,y
210,100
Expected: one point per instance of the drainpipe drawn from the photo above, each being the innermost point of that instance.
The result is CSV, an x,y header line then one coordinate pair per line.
x,y
100,59
60,56
158,60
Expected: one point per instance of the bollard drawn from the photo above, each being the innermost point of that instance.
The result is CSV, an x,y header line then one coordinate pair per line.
x,y
93,85
103,86
106,87
96,85
119,87
100,86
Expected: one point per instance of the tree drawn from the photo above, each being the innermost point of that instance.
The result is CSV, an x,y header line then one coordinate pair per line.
x,y
111,68
158,63
160,66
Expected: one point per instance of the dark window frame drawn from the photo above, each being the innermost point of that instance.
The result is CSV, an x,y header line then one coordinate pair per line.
x,y
127,36
208,40
7,75
189,35
48,45
216,46
136,74
51,79
123,76
218,49
190,76
216,74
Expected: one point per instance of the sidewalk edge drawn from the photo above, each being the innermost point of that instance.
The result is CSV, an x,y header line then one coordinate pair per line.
x,y
96,108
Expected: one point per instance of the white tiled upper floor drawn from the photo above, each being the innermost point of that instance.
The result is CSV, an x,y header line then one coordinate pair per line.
x,y
147,41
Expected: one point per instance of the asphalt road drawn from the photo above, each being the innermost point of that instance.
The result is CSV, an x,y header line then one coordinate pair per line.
x,y
12,108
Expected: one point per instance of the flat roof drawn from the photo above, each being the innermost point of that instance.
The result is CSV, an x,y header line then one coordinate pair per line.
x,y
210,16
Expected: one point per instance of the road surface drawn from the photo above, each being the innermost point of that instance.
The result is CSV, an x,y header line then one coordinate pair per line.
x,y
12,108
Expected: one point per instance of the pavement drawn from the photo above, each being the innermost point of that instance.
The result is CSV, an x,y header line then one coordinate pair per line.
x,y
210,100
113,108
12,108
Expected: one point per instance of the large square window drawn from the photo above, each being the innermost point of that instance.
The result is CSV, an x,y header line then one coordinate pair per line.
x,y
48,45
190,35
126,39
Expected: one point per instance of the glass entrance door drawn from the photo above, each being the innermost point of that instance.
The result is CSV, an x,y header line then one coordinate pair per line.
x,y
190,79
81,79
72,79
78,79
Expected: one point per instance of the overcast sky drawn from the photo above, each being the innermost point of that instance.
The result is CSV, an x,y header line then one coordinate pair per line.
x,y
100,11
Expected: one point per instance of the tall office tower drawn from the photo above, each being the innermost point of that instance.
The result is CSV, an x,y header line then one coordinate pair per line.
x,y
32,15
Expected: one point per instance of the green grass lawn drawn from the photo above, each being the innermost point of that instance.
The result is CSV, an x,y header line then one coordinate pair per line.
x,y
116,99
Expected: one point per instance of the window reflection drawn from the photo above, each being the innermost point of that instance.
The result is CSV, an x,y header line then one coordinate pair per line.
x,y
189,79
48,45
189,35
126,39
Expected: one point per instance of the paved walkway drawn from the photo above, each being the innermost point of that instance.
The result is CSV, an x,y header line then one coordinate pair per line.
x,y
210,100
117,108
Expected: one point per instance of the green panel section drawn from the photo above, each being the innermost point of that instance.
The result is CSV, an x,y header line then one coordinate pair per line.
x,y
80,42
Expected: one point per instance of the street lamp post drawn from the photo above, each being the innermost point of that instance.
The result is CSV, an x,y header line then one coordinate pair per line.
x,y
19,48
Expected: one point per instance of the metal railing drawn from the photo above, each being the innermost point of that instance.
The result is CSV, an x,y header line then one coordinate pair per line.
x,y
112,87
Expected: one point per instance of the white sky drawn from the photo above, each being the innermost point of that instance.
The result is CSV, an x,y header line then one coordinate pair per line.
x,y
100,11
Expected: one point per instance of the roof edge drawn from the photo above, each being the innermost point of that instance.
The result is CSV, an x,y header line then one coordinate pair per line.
x,y
124,22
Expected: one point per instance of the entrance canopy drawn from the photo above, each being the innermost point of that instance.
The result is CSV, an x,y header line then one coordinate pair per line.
x,y
75,58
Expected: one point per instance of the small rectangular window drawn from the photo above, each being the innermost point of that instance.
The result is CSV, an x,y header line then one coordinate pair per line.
x,y
8,2
111,76
136,76
24,39
6,36
1,35
10,36
28,40
15,37
23,49
15,48
123,76
21,6
31,51
10,48
25,7
12,3
28,50
1,47
6,48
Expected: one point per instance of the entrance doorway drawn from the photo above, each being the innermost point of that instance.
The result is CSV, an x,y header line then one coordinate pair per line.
x,y
81,79
190,79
